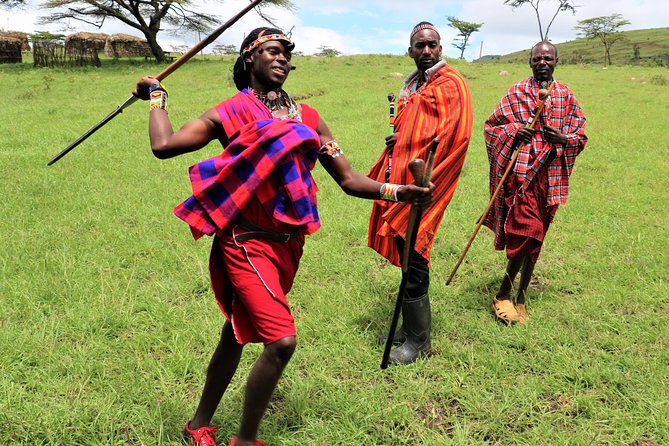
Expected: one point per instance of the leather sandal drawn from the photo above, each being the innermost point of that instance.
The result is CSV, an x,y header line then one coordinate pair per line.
x,y
505,311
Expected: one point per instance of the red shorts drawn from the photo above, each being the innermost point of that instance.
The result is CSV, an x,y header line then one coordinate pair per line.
x,y
250,280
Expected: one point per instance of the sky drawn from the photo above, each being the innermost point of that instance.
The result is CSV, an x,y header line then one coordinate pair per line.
x,y
383,26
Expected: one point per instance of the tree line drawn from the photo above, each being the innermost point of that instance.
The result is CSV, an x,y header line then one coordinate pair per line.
x,y
150,18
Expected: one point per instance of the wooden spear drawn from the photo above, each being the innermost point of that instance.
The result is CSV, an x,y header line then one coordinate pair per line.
x,y
163,74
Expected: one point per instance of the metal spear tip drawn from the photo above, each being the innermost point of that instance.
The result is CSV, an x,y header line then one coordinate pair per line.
x,y
417,168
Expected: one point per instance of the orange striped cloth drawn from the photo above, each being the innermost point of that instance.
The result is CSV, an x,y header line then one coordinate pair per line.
x,y
442,108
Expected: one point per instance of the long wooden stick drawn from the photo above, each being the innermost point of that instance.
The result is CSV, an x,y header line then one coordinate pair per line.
x,y
530,124
185,57
413,224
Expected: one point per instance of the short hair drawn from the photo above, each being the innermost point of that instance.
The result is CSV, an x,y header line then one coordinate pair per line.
x,y
241,73
421,26
544,42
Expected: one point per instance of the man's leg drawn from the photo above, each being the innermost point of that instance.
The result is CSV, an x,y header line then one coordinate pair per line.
x,y
525,278
416,313
260,385
502,304
512,267
222,367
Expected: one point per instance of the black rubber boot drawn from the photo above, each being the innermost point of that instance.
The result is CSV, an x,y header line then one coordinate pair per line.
x,y
417,322
398,339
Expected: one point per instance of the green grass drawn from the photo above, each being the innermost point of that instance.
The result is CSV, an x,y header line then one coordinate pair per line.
x,y
107,321
652,45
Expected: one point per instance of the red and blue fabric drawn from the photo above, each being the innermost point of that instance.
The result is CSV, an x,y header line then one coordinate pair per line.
x,y
259,147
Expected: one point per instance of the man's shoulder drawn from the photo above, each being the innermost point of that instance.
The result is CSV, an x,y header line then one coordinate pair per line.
x,y
235,97
447,74
448,70
528,81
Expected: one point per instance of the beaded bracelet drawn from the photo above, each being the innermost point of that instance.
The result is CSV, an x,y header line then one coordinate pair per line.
x,y
156,85
331,148
158,100
388,191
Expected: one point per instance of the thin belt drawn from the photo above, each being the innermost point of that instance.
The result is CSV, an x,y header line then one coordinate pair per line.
x,y
255,232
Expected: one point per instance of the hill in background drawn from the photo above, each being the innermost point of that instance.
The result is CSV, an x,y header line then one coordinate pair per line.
x,y
638,47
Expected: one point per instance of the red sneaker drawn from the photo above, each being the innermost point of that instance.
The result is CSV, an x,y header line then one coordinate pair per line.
x,y
204,436
233,442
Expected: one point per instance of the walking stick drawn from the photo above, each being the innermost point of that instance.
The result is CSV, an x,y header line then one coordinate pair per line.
x,y
416,167
543,95
163,74
391,120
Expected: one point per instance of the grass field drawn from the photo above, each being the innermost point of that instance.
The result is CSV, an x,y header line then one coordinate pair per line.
x,y
107,321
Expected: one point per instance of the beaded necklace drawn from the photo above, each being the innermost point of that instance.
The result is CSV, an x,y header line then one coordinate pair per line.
x,y
276,100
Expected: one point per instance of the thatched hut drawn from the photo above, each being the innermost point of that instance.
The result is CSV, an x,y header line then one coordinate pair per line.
x,y
95,41
124,45
83,48
23,37
10,50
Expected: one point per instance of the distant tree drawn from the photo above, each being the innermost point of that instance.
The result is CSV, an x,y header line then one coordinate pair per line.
x,y
9,4
563,5
466,30
145,16
225,49
604,28
325,51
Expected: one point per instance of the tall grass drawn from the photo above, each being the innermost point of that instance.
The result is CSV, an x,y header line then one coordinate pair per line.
x,y
107,321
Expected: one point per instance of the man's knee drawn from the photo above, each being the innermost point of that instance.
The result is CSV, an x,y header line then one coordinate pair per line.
x,y
282,349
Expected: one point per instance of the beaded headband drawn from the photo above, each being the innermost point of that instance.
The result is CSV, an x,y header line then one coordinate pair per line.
x,y
262,39
422,26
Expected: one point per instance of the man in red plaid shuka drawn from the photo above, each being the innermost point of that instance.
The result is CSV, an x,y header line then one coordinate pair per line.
x,y
258,200
539,181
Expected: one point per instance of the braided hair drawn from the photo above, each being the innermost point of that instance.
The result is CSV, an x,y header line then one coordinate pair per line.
x,y
241,72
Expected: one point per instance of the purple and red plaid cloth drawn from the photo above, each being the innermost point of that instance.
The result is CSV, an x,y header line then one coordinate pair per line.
x,y
259,146
562,111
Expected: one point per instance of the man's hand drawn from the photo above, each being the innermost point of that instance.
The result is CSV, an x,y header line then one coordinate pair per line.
x,y
524,135
390,141
416,195
553,135
142,89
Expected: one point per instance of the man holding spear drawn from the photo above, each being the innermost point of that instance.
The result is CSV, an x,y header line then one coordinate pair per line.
x,y
539,180
258,200
434,103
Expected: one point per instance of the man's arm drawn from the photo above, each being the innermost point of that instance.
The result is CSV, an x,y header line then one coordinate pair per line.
x,y
356,184
165,143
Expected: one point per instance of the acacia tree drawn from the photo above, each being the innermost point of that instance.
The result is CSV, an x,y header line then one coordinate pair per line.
x,y
148,17
466,29
11,3
604,28
563,5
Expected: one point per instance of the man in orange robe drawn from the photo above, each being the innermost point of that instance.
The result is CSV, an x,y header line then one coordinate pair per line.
x,y
434,103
